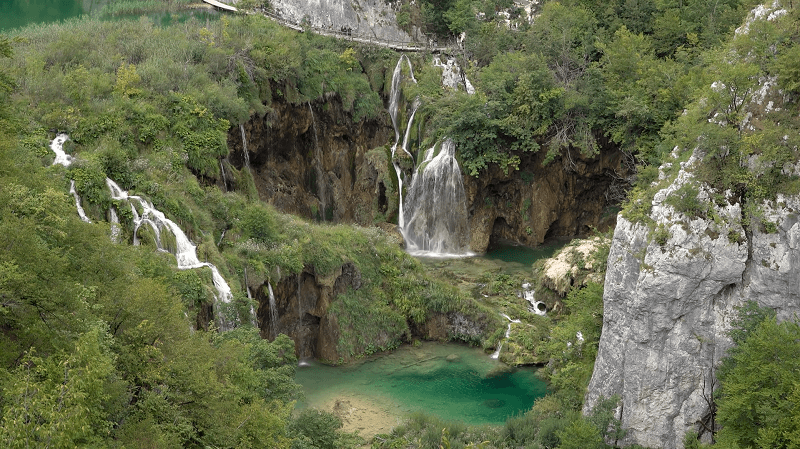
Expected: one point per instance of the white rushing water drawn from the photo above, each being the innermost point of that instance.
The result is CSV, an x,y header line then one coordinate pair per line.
x,y
432,215
78,206
245,153
436,216
321,192
496,354
273,311
394,110
57,146
185,251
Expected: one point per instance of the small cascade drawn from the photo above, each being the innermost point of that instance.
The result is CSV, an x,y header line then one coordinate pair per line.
x,y
452,75
185,253
394,109
224,179
245,153
534,306
57,146
318,167
273,311
496,354
114,220
62,158
81,213
436,207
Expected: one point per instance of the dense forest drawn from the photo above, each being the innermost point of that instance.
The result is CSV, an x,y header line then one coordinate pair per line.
x,y
107,344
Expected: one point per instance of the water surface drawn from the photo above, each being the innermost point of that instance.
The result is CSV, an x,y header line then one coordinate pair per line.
x,y
450,381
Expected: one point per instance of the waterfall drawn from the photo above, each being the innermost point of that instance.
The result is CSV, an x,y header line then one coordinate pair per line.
x,y
57,146
433,216
114,220
224,180
394,107
537,307
273,311
496,354
81,213
436,207
244,147
62,158
185,253
318,167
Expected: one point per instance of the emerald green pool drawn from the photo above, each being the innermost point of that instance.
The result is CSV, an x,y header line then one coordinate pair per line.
x,y
450,381
20,13
518,257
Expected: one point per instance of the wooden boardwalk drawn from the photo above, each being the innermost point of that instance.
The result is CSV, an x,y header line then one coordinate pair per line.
x,y
221,5
351,36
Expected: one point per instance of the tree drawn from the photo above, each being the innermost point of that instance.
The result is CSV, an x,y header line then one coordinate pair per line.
x,y
758,405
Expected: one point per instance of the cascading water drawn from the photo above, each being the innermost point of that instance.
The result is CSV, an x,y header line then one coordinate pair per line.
x,y
496,353
185,253
318,168
114,220
57,146
394,109
273,311
433,216
245,153
436,221
78,206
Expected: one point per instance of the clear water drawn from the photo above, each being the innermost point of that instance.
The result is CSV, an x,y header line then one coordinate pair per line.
x,y
450,381
517,257
19,13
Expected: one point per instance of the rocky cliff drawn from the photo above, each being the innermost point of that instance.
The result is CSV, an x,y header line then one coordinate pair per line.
x,y
314,161
679,267
364,18
302,307
568,197
670,294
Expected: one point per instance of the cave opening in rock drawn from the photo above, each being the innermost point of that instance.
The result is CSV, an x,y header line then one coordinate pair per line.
x,y
500,232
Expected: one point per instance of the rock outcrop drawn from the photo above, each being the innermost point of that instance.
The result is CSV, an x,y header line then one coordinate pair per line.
x,y
362,18
671,290
302,306
312,160
568,197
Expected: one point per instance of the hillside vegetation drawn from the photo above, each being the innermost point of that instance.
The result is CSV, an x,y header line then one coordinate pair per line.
x,y
97,340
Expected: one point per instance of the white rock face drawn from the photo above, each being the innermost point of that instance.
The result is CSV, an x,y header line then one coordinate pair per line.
x,y
366,18
667,309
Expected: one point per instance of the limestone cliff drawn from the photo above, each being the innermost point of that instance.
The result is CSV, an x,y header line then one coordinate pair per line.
x,y
668,307
312,160
363,17
676,273
303,304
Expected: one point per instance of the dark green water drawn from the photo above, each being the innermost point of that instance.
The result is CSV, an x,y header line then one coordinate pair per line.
x,y
450,381
522,256
19,13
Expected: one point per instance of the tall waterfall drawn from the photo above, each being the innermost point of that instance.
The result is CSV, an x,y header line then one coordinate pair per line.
x,y
318,167
394,109
245,153
185,252
433,216
273,311
436,206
